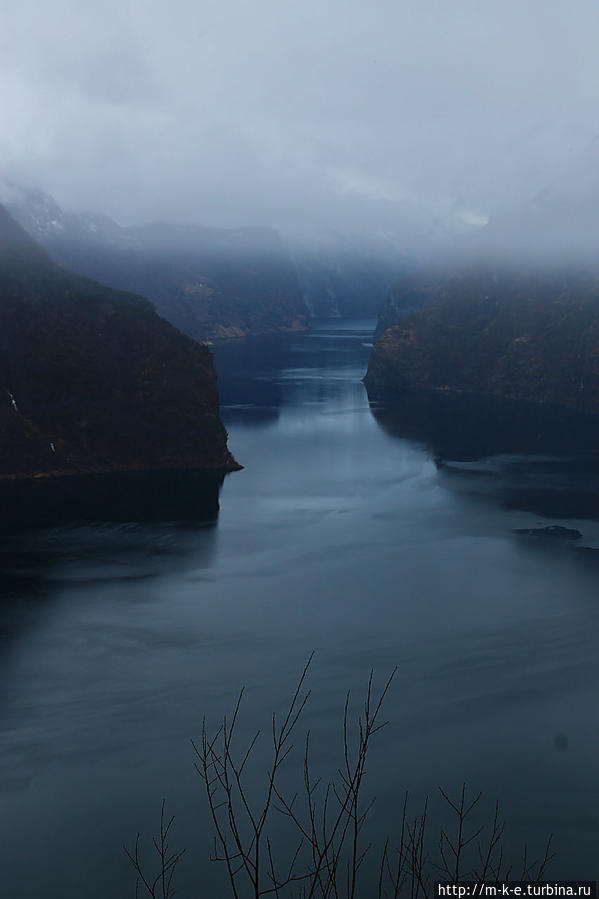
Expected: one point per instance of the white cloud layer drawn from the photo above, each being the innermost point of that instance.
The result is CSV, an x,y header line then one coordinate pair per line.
x,y
344,114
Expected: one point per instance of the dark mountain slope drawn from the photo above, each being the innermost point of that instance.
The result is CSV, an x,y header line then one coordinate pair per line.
x,y
525,335
215,283
91,379
209,282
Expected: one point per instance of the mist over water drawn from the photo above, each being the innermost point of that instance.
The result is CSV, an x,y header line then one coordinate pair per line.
x,y
363,538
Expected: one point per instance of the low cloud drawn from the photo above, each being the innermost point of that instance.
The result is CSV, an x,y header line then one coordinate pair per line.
x,y
393,116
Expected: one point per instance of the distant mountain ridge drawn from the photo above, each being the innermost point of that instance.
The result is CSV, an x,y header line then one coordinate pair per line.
x,y
219,282
210,282
92,380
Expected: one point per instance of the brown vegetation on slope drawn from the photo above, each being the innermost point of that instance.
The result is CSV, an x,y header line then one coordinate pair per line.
x,y
521,337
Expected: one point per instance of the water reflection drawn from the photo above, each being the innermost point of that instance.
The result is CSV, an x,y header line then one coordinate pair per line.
x,y
369,544
512,455
245,382
132,496
68,533
466,428
257,376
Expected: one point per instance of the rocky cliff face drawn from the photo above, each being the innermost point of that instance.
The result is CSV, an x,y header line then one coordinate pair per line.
x,y
209,282
92,380
523,335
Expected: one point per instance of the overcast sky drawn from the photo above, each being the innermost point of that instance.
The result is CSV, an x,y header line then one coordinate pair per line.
x,y
336,112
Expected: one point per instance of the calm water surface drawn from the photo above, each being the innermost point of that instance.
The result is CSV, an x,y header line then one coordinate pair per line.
x,y
341,535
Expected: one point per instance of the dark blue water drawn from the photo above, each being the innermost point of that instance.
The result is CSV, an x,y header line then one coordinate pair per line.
x,y
347,534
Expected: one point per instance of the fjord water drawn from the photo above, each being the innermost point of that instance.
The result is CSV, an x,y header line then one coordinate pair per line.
x,y
346,533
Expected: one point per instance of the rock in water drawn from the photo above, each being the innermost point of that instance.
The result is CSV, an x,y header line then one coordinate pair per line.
x,y
552,532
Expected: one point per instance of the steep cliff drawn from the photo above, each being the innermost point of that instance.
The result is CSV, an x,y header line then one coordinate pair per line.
x,y
92,380
344,275
523,335
414,291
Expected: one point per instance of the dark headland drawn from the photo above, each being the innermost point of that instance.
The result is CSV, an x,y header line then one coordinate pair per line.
x,y
93,380
523,335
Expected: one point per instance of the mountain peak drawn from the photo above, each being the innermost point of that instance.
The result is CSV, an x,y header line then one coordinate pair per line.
x,y
14,240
